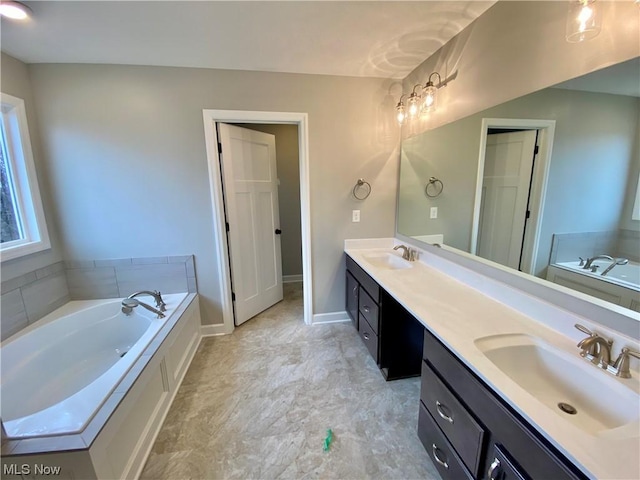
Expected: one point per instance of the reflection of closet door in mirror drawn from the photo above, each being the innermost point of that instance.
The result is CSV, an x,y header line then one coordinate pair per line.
x,y
505,195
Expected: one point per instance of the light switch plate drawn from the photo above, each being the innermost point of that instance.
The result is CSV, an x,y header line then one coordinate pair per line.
x,y
434,212
355,216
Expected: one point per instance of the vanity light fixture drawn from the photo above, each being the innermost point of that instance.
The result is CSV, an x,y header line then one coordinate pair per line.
x,y
583,21
419,102
15,10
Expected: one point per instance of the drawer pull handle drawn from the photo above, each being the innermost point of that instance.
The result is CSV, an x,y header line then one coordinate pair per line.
x,y
365,335
435,450
441,413
366,309
355,291
495,465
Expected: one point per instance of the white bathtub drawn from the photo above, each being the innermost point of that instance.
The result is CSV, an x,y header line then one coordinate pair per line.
x,y
624,275
58,372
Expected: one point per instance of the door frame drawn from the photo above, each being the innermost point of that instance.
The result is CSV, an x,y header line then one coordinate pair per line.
x,y
540,176
210,118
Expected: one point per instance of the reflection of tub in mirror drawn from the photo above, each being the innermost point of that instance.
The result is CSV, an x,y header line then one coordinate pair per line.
x,y
620,286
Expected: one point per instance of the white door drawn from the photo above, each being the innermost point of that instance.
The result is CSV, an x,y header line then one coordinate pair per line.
x,y
251,200
505,194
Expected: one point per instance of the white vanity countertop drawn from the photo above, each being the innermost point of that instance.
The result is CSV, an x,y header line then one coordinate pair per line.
x,y
458,314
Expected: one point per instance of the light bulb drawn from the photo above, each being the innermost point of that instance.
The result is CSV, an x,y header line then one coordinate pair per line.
x,y
583,21
400,116
429,95
14,10
413,104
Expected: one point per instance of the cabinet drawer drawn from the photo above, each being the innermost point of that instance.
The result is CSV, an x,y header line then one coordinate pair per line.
x,y
369,338
440,451
364,279
368,309
460,428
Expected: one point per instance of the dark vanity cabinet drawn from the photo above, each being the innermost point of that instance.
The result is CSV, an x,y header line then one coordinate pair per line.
x,y
391,334
470,432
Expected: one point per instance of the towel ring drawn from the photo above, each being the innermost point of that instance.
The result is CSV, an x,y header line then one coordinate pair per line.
x,y
434,187
361,183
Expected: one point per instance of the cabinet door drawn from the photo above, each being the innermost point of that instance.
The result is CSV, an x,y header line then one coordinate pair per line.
x,y
502,468
352,298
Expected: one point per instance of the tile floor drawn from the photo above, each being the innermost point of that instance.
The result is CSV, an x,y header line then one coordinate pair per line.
x,y
257,404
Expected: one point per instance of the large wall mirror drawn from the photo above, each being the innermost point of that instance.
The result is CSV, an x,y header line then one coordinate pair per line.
x,y
547,184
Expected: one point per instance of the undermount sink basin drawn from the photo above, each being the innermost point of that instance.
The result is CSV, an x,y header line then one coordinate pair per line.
x,y
576,390
388,261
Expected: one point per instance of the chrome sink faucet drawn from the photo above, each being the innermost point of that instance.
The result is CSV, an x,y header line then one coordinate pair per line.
x,y
408,253
595,348
156,296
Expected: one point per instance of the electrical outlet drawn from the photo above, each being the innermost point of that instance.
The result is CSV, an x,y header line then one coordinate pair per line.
x,y
434,212
355,216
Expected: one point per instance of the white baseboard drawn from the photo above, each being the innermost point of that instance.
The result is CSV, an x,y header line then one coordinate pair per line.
x,y
213,330
291,278
332,317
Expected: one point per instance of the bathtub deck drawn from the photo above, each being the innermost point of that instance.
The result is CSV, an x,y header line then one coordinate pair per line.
x,y
257,404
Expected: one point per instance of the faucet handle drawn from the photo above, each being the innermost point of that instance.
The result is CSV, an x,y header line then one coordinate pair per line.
x,y
584,329
620,367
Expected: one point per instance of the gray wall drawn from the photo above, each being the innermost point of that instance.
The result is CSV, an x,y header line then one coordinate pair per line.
x,y
288,165
516,48
126,154
592,159
14,80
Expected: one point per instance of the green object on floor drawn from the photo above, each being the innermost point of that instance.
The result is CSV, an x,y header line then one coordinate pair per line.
x,y
327,441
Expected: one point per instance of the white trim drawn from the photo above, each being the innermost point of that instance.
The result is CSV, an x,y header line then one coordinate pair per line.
x,y
213,330
546,129
331,317
210,117
291,278
20,156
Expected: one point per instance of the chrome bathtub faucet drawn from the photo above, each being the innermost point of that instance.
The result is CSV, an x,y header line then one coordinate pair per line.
x,y
128,304
589,261
156,296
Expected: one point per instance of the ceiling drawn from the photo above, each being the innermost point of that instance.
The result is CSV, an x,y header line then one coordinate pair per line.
x,y
355,38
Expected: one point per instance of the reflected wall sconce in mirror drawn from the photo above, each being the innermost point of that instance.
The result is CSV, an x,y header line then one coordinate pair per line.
x,y
421,100
14,10
583,20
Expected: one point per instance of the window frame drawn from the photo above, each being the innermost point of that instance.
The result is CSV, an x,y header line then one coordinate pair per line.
x,y
635,213
25,182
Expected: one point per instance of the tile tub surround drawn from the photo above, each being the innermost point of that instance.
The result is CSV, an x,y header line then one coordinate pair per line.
x,y
120,277
29,297
257,404
568,247
432,290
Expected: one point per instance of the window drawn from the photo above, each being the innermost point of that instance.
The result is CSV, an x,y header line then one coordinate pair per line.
x,y
23,228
